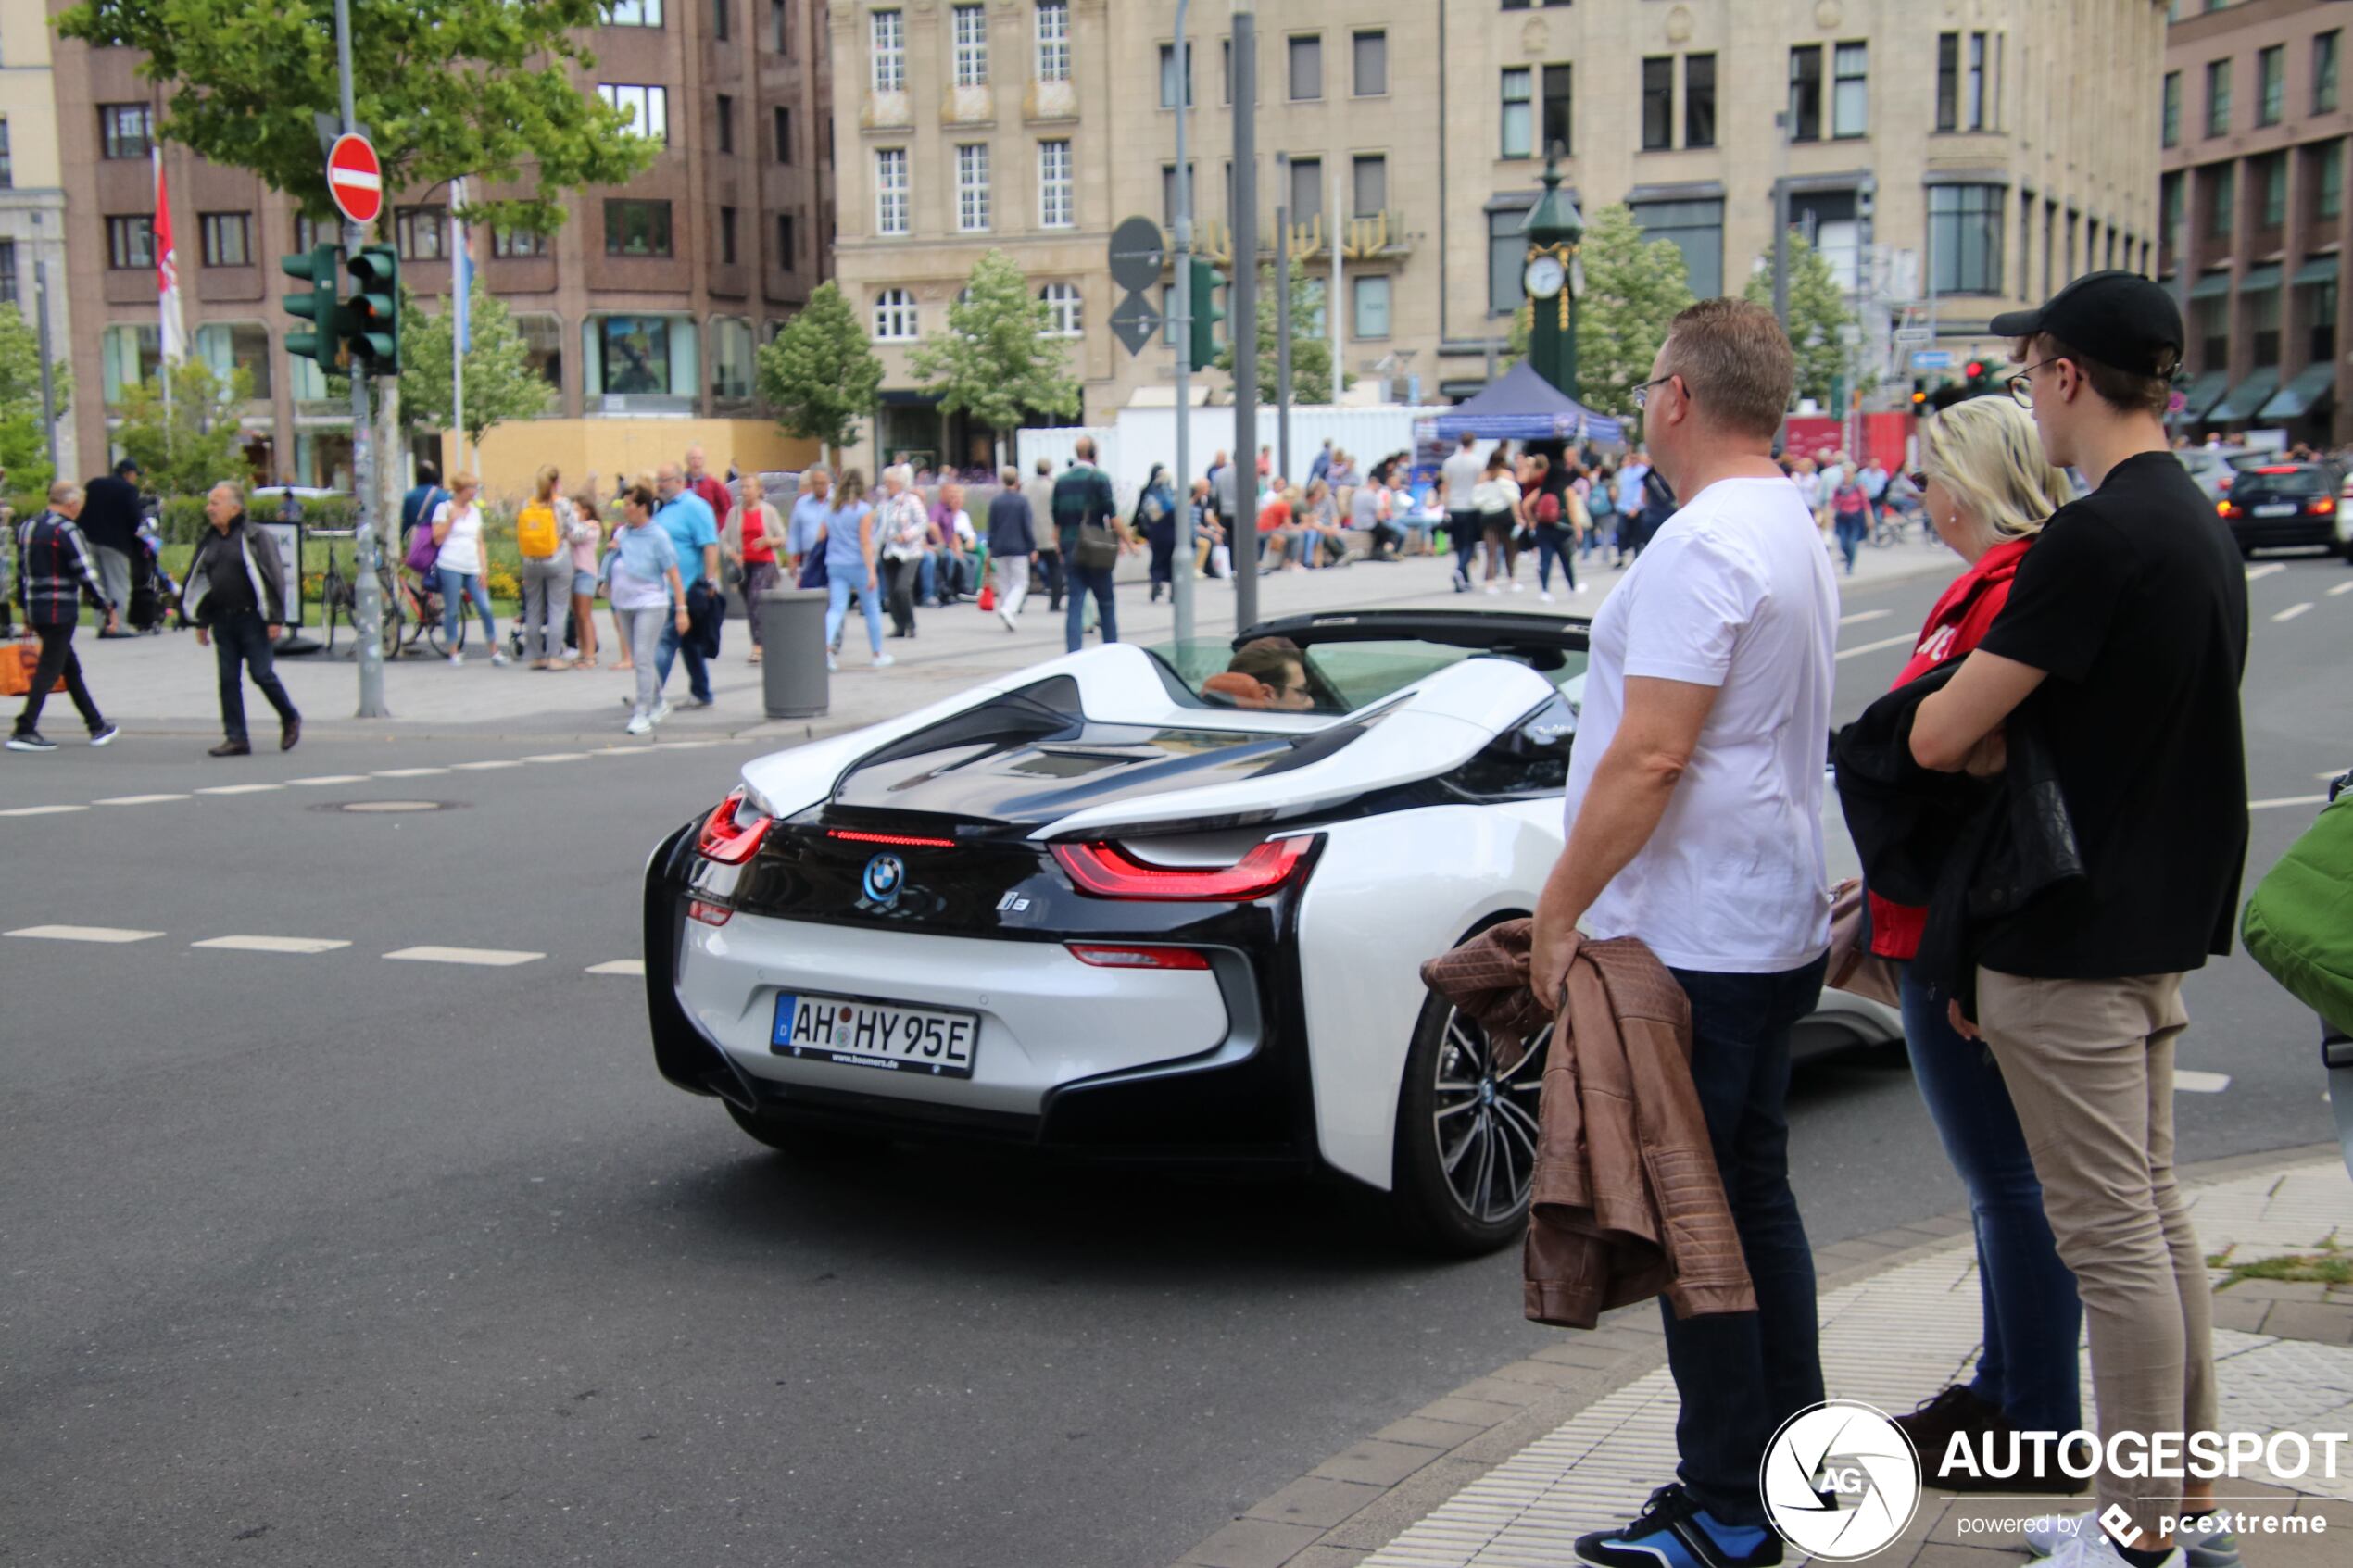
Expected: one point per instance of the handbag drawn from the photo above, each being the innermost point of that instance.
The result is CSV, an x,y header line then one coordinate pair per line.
x,y
1853,967
1097,550
813,570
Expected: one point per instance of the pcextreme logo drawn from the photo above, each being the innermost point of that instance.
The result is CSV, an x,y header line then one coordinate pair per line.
x,y
1840,1480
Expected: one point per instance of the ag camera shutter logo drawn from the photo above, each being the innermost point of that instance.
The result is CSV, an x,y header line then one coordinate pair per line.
x,y
1840,1480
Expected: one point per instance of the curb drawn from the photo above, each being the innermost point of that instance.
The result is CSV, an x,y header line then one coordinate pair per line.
x,y
1360,1499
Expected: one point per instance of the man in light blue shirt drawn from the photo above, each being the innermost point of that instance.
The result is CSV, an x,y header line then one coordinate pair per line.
x,y
1630,485
687,518
809,514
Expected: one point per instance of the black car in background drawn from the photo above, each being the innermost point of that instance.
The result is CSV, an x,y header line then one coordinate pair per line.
x,y
2283,504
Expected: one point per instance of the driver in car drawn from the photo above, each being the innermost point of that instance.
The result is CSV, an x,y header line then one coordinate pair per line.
x,y
1269,673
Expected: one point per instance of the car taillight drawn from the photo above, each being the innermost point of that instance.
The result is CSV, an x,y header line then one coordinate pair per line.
x,y
897,840
1112,870
2325,506
1108,956
2277,468
732,832
708,912
2225,509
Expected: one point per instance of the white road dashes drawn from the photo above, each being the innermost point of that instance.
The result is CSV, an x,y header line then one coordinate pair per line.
x,y
1874,648
2256,573
617,966
83,934
271,943
407,772
2292,611
1862,615
488,957
331,779
2341,588
40,811
240,789
138,799
2287,800
487,766
2190,1080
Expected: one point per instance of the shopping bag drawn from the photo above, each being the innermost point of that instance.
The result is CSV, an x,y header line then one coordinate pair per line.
x,y
988,598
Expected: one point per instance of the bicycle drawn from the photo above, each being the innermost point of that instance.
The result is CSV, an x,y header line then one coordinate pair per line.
x,y
411,611
340,597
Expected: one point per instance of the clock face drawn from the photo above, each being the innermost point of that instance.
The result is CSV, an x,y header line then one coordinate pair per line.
x,y
1544,277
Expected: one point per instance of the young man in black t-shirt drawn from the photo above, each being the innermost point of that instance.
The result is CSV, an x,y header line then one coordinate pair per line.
x,y
2123,642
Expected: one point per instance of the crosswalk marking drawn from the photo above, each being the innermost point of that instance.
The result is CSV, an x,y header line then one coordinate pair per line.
x,y
1862,615
2189,1081
2256,573
617,966
137,799
487,766
2292,611
492,958
407,772
1874,648
272,944
239,789
40,811
83,934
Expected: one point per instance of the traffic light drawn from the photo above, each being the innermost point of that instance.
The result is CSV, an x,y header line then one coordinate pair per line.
x,y
1919,395
324,341
372,316
1202,352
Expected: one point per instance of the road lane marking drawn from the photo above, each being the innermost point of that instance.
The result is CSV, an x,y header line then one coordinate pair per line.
x,y
494,958
2256,573
1862,616
407,772
240,789
559,757
1874,648
2288,800
83,934
617,966
486,767
2341,588
271,943
331,779
40,811
2188,1081
137,799
2292,611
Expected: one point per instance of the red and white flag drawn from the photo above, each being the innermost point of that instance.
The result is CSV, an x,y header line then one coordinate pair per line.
x,y
175,336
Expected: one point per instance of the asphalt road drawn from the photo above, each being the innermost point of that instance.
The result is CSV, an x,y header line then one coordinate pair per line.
x,y
329,1258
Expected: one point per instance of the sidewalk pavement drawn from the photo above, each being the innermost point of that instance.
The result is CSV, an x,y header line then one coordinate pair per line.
x,y
166,684
1508,1471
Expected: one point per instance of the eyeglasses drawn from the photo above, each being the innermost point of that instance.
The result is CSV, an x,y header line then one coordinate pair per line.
x,y
2021,385
1640,396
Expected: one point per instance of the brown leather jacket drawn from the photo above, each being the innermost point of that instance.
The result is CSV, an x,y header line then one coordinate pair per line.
x,y
1628,1203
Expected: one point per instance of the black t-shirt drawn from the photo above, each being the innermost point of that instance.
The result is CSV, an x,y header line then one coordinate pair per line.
x,y
110,513
2133,602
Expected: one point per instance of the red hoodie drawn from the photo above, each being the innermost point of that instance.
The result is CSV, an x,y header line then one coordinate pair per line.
x,y
1956,624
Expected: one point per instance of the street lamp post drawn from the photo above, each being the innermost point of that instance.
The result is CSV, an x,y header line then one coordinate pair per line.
x,y
1180,587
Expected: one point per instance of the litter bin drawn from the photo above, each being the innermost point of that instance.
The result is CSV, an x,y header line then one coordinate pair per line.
x,y
792,652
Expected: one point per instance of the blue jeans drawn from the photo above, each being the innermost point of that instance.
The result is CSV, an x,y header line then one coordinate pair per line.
x,y
838,587
2032,1314
1085,580
1555,544
1852,532
457,587
1740,1374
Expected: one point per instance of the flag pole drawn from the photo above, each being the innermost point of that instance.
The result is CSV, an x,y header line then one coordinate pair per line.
x,y
462,326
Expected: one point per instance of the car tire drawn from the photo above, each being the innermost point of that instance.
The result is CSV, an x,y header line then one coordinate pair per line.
x,y
1436,1203
802,1143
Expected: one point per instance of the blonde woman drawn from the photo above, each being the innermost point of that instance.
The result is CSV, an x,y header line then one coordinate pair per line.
x,y
547,579
1987,489
458,560
587,545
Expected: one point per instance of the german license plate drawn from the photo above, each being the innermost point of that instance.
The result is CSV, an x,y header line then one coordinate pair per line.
x,y
881,1035
2278,508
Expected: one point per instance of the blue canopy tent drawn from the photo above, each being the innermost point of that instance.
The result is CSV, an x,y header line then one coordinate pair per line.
x,y
1523,405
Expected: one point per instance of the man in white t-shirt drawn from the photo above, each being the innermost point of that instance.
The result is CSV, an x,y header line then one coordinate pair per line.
x,y
1457,477
1695,809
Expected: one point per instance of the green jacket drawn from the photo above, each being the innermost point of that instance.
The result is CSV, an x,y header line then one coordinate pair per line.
x,y
1081,496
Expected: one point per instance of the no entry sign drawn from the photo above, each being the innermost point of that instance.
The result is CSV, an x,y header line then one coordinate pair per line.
x,y
354,179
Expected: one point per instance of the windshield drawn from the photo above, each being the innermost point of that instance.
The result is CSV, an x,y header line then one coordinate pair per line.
x,y
1341,677
2285,481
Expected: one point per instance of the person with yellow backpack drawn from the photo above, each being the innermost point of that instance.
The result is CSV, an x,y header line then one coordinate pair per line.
x,y
545,531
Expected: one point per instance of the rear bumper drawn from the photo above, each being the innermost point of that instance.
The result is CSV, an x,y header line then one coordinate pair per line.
x,y
2284,532
1180,1067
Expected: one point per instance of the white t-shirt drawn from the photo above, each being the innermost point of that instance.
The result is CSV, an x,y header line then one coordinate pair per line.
x,y
1735,592
462,547
1461,473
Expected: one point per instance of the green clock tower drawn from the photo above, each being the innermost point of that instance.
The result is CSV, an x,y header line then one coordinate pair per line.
x,y
1552,279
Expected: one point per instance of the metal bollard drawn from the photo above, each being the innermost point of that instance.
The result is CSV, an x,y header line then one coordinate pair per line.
x,y
792,653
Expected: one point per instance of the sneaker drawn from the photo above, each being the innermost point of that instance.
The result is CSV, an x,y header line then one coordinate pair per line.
x,y
456,659
1546,594
639,725
29,741
662,711
1673,1531
883,661
1493,590
2047,1536
103,734
831,662
693,701
1007,617
1519,587
498,655
2093,1548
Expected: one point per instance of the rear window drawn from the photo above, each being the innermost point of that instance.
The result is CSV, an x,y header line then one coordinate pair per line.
x,y
1343,677
2295,482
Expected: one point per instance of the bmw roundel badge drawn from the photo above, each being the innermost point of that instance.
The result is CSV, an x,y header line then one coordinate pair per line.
x,y
885,877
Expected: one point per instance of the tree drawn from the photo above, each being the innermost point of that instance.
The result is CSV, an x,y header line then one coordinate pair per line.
x,y
486,89
24,444
501,381
1817,317
819,374
1311,351
200,440
998,358
1633,290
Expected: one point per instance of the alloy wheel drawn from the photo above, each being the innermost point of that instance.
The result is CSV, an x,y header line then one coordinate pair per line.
x,y
1485,1119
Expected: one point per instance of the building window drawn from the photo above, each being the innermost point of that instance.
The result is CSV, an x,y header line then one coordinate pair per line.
x,y
727,236
633,13
1806,93
636,228
894,317
972,188
969,26
779,27
1370,184
2271,84
643,355
2320,310
890,190
722,23
1369,54
726,123
1973,87
2263,322
1658,103
1699,100
2324,53
2218,97
1168,192
1965,237
1307,67
543,345
1519,112
1063,310
8,167
1371,305
230,346
1850,89
783,131
11,294
514,245
1168,77
786,253
421,232
128,356
125,131
1056,209
730,359
131,243
1698,228
2210,324
2329,202
2274,190
1053,39
2172,118
2223,216
227,239
1948,81
1306,193
1828,221
1506,254
2169,208
888,34
647,108
1553,110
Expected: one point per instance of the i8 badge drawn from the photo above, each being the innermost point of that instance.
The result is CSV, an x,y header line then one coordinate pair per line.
x,y
885,877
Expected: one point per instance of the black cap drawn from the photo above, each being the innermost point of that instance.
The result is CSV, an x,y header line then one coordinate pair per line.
x,y
2120,318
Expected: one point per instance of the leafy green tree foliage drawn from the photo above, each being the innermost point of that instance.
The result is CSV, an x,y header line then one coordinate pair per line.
x,y
502,383
1311,351
1819,318
1633,291
997,361
819,375
197,441
24,445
